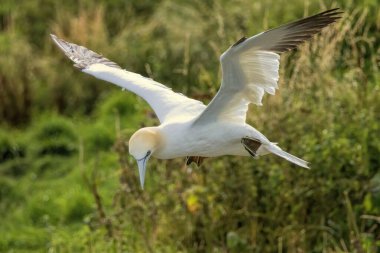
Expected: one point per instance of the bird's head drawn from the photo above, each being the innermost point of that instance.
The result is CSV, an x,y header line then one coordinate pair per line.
x,y
142,146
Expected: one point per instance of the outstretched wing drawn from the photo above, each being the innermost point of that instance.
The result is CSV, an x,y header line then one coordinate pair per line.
x,y
167,104
250,67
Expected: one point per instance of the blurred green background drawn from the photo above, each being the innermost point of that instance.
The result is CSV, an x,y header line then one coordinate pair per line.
x,y
67,183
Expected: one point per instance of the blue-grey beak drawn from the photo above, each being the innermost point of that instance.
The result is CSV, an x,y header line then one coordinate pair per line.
x,y
141,163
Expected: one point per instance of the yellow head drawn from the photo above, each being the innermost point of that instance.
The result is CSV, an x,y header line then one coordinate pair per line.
x,y
142,146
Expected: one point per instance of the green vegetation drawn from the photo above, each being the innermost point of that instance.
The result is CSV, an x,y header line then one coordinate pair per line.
x,y
67,183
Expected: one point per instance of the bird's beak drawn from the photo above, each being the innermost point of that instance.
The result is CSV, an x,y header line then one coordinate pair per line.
x,y
142,169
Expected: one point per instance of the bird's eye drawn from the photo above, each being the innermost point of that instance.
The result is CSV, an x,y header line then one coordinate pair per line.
x,y
148,153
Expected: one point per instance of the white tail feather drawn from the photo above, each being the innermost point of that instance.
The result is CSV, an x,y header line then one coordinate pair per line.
x,y
273,148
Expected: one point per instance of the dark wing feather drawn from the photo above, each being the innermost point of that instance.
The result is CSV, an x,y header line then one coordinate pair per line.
x,y
294,33
82,56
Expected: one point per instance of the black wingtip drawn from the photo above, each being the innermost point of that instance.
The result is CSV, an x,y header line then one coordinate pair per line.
x,y
331,13
241,40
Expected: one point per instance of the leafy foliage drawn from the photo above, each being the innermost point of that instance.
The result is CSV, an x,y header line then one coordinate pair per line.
x,y
67,183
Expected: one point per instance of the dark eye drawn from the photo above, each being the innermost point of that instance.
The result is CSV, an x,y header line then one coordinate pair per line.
x,y
148,153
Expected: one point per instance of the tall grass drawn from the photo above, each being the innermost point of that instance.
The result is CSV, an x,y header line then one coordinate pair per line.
x,y
326,112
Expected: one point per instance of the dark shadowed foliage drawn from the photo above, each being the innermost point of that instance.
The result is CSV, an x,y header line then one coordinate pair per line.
x,y
68,184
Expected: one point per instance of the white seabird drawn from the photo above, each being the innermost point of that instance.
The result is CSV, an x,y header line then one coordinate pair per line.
x,y
189,128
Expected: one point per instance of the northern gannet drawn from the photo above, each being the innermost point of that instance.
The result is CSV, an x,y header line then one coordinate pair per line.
x,y
188,127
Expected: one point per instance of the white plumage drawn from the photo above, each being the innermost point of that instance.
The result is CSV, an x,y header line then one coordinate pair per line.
x,y
189,128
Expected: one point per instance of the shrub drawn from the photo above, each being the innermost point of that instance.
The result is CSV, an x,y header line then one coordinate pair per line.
x,y
10,148
54,136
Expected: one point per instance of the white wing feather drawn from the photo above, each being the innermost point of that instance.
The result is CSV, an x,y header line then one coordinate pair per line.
x,y
167,104
260,69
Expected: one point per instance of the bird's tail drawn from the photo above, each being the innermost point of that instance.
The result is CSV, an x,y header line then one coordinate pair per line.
x,y
273,148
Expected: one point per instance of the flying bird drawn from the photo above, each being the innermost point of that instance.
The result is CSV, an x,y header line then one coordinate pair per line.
x,y
250,68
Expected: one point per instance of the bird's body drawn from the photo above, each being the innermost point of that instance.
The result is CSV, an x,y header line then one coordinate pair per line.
x,y
217,139
250,68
